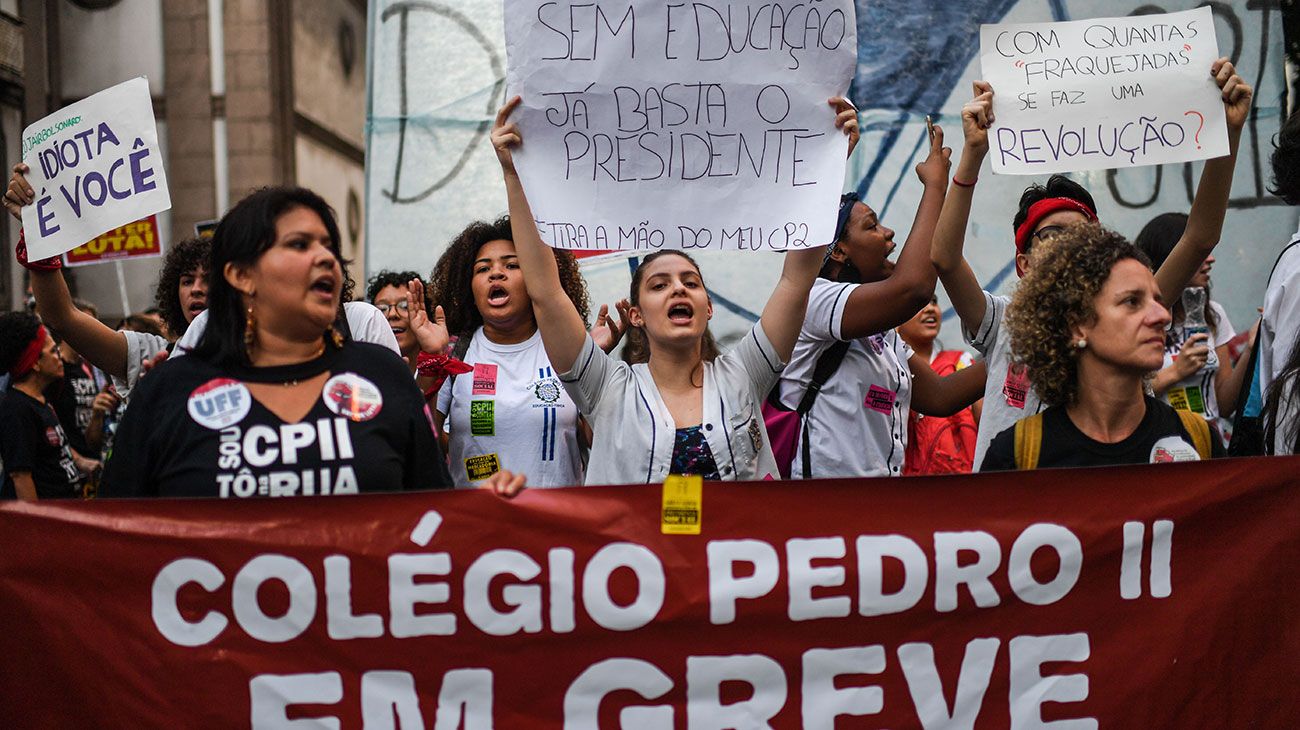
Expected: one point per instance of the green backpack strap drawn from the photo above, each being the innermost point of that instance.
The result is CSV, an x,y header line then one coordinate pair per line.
x,y
1199,429
1029,441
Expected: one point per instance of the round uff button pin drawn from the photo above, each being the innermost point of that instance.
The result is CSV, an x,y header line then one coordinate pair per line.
x,y
353,397
218,403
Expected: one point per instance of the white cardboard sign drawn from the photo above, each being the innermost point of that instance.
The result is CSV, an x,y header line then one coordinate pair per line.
x,y
95,165
1103,93
700,125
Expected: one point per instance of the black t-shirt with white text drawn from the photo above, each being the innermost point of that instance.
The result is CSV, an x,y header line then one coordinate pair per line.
x,y
73,399
1159,438
31,440
194,430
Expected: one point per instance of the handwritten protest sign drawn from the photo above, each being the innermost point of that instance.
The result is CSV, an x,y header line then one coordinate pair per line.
x,y
684,126
136,240
1103,93
95,165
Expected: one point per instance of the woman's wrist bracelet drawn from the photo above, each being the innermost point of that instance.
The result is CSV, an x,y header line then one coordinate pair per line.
x,y
962,184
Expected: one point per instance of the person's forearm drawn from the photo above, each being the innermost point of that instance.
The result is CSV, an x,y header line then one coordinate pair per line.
x,y
95,341
1230,390
914,266
1165,379
950,232
541,272
1204,222
24,486
783,315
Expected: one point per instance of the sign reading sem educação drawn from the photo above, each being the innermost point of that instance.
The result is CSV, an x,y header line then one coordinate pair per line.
x,y
95,165
1103,93
685,126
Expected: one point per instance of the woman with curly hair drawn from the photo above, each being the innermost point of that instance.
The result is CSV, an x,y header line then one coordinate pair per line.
x,y
1088,324
509,412
1044,211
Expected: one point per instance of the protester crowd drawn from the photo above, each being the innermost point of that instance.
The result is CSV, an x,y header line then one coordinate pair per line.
x,y
260,376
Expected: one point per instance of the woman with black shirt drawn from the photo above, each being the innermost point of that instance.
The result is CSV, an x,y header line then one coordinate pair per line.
x,y
33,445
272,401
1088,324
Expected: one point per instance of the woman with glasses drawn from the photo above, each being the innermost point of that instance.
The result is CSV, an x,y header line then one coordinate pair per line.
x,y
1045,212
398,294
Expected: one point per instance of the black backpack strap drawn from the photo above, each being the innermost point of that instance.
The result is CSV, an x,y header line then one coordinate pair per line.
x,y
827,364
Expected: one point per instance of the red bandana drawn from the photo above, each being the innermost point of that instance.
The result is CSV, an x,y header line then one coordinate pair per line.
x,y
31,353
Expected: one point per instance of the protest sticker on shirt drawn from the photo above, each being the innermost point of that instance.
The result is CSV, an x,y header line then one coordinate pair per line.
x,y
478,468
94,165
482,418
353,397
485,379
880,400
1103,93
136,240
683,125
219,403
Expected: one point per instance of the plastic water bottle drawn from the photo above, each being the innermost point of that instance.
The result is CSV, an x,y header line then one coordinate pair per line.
x,y
1194,300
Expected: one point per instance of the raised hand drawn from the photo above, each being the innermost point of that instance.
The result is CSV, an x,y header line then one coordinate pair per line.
x,y
606,332
431,334
977,117
1237,94
934,169
846,119
505,136
19,193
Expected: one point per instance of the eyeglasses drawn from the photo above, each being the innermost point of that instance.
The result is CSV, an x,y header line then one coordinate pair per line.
x,y
1048,232
402,306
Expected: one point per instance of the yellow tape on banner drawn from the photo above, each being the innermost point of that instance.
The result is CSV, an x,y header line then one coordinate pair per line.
x,y
683,505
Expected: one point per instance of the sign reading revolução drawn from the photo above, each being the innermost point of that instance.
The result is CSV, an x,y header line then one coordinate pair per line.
x,y
1103,93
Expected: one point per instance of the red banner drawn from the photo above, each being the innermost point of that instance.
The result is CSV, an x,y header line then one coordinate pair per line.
x,y
1135,597
131,241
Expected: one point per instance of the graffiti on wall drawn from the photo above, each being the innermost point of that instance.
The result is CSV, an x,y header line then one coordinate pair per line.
x,y
437,73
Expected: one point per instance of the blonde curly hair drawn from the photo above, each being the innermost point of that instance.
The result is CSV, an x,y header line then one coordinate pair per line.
x,y
1056,295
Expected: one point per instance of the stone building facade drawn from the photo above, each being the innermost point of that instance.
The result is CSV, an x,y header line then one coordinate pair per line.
x,y
247,93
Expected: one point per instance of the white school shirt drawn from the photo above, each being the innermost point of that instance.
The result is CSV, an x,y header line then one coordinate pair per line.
x,y
1008,394
511,413
635,434
1277,333
858,424
1196,393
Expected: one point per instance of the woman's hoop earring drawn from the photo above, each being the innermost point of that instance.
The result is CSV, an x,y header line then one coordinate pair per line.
x,y
335,336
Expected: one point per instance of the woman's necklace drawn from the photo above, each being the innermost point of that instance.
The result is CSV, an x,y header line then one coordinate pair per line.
x,y
294,383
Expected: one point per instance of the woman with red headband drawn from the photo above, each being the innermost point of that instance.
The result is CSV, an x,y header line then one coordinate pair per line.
x,y
38,464
1045,212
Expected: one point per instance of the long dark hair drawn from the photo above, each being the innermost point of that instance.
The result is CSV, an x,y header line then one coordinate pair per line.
x,y
637,347
1157,240
245,233
451,283
1284,390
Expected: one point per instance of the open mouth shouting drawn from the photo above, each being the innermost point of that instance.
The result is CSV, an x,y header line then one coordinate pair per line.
x,y
681,313
197,304
324,286
498,296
